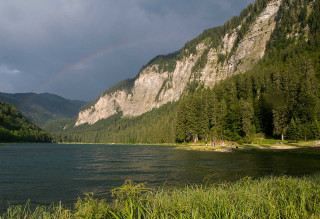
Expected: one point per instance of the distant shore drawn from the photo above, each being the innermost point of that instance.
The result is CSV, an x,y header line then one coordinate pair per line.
x,y
227,147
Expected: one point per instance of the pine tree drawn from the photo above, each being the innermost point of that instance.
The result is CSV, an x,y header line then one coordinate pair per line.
x,y
181,121
247,115
280,120
291,133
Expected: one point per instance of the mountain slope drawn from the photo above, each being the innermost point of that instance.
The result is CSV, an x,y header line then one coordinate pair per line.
x,y
14,127
278,97
42,108
155,126
215,55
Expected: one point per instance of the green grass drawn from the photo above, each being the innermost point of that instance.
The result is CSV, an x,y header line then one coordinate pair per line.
x,y
259,143
270,197
271,141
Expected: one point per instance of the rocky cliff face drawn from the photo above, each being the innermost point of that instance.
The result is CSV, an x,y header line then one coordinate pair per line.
x,y
155,86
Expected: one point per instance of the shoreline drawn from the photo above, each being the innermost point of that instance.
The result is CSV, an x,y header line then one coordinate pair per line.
x,y
246,147
255,198
224,147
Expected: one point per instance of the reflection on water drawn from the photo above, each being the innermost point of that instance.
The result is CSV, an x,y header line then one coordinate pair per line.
x,y
53,172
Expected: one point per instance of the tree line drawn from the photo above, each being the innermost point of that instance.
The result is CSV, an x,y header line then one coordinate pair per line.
x,y
156,126
278,98
14,127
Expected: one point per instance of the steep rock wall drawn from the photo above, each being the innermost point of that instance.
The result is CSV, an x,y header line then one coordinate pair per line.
x,y
153,87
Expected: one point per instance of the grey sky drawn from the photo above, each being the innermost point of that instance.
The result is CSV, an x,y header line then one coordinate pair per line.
x,y
79,48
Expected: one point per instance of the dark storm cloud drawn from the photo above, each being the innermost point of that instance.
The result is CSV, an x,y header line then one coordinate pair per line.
x,y
79,48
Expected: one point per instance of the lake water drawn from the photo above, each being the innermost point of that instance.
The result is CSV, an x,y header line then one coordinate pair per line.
x,y
48,173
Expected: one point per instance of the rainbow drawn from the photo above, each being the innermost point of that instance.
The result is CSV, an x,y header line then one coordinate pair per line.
x,y
66,70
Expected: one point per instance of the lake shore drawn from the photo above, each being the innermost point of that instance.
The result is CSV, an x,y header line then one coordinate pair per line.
x,y
227,147
224,147
267,197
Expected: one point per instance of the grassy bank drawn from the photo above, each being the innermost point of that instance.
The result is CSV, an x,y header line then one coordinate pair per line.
x,y
225,146
270,197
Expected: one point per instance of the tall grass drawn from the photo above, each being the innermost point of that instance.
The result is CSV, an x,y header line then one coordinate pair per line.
x,y
269,197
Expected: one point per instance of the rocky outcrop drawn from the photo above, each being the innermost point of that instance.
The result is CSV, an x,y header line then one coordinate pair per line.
x,y
154,87
149,86
252,47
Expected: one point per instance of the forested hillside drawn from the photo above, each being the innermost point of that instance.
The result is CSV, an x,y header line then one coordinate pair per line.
x,y
279,97
156,126
42,108
14,127
214,55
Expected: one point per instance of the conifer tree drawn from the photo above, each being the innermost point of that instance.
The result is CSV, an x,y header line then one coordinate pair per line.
x,y
291,133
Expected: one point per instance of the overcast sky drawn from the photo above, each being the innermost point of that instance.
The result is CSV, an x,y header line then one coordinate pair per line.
x,y
79,48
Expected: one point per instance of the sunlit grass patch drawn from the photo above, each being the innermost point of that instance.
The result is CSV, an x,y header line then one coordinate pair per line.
x,y
269,197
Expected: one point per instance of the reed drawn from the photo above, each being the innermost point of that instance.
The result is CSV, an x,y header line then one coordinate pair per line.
x,y
268,197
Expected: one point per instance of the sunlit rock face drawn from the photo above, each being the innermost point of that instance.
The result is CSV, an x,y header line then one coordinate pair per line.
x,y
154,87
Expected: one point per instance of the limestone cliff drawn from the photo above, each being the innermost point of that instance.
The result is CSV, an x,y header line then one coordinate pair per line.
x,y
211,59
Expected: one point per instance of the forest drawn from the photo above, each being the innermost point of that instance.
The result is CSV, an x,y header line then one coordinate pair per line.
x,y
44,107
278,98
14,127
156,126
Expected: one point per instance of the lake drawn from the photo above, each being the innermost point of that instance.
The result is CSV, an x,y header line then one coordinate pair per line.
x,y
48,173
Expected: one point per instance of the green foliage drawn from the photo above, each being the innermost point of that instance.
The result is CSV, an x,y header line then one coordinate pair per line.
x,y
262,100
90,207
269,197
278,97
192,119
213,36
167,84
125,85
14,127
281,88
128,191
200,64
291,30
58,125
221,58
249,14
43,108
156,126
292,132
166,63
53,211
192,87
